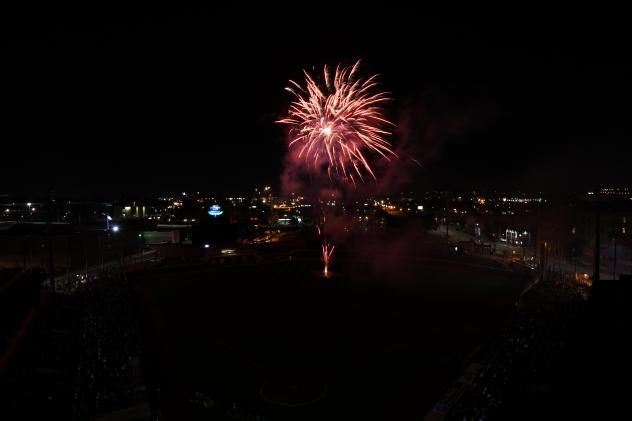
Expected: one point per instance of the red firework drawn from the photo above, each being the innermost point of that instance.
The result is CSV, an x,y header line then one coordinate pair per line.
x,y
338,121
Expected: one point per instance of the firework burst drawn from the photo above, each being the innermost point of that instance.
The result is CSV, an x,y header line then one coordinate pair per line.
x,y
339,121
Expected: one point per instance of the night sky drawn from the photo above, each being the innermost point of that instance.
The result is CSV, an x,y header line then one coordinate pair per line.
x,y
147,101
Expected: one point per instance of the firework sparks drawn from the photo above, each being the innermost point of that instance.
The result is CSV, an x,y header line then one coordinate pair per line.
x,y
327,249
338,121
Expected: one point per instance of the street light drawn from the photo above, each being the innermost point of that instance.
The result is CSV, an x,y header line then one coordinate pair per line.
x,y
115,228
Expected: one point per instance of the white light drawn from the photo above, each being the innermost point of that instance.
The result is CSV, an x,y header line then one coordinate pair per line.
x,y
29,204
206,246
109,217
420,207
115,228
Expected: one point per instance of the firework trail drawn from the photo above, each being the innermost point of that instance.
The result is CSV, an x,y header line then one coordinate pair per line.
x,y
327,249
338,122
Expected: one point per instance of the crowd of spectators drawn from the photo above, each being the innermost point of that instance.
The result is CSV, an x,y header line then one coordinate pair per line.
x,y
108,375
522,356
80,360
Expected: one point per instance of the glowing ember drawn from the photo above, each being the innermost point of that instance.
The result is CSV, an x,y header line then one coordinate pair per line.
x,y
338,121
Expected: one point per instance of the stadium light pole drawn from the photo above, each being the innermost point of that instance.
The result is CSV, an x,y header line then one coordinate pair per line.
x,y
108,218
597,247
614,269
